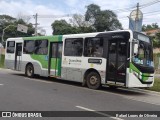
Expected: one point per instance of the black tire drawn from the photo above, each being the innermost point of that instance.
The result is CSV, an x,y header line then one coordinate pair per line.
x,y
29,71
93,80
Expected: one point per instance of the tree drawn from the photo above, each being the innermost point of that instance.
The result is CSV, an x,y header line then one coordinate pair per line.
x,y
156,37
150,27
102,20
156,40
78,21
11,31
94,20
61,27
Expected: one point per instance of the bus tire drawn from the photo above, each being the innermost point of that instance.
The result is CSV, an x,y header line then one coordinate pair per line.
x,y
29,70
93,80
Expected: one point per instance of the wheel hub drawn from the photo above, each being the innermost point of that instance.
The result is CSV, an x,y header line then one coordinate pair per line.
x,y
29,70
93,80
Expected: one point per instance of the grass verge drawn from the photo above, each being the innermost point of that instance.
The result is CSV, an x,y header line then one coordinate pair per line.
x,y
156,86
2,61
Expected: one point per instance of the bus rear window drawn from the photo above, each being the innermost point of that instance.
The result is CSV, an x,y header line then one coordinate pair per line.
x,y
10,46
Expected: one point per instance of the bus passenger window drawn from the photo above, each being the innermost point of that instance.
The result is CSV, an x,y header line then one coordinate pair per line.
x,y
93,47
59,55
73,47
10,46
41,47
29,46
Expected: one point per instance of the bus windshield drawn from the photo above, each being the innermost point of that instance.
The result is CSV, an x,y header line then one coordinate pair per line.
x,y
144,56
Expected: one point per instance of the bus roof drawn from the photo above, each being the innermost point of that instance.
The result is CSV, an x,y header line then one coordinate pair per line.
x,y
52,37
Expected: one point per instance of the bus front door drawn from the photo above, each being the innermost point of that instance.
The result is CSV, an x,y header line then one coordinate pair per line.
x,y
116,62
18,56
55,56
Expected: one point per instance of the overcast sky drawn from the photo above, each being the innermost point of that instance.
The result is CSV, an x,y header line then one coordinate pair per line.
x,y
122,8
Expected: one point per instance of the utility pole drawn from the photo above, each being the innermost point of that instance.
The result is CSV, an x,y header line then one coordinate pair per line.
x,y
137,18
35,32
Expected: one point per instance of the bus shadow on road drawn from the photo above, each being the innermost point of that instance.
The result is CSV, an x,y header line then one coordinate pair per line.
x,y
123,91
104,88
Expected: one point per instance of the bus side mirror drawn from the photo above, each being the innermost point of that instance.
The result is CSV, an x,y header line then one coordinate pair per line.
x,y
135,49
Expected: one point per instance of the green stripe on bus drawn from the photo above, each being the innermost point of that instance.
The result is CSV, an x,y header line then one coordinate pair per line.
x,y
59,66
145,76
42,59
134,68
60,38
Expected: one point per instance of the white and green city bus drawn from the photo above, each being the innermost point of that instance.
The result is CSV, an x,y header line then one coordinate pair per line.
x,y
117,58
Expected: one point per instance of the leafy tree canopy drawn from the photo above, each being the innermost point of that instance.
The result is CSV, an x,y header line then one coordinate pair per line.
x,y
102,20
10,25
94,20
150,27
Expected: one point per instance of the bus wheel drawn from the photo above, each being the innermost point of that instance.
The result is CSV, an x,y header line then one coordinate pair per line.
x,y
29,70
93,80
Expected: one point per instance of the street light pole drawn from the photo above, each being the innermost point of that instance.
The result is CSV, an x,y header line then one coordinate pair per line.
x,y
3,40
4,32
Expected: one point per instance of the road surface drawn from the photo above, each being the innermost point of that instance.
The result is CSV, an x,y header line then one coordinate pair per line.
x,y
19,93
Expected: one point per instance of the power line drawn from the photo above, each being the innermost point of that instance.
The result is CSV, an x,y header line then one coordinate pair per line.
x,y
149,4
141,6
55,16
146,14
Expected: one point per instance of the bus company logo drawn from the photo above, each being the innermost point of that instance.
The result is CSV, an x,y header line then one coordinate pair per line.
x,y
6,114
76,61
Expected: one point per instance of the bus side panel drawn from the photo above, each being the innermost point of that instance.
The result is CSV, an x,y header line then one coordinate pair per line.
x,y
10,57
74,68
9,62
38,67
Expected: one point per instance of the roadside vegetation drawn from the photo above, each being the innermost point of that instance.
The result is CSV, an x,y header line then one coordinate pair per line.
x,y
156,86
2,61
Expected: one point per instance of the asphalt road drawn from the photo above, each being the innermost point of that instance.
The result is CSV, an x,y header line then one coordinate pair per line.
x,y
19,93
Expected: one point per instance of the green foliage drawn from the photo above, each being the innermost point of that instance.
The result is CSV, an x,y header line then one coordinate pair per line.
x,y
156,37
150,27
102,20
11,31
94,20
157,40
2,61
61,27
156,86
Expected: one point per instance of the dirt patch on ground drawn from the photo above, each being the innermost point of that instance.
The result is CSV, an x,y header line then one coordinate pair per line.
x,y
156,50
2,51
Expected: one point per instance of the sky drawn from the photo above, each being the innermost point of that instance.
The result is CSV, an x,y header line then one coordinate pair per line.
x,y
55,9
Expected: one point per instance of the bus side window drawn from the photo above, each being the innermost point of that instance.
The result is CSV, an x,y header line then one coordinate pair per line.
x,y
73,47
56,50
29,46
93,47
10,46
41,47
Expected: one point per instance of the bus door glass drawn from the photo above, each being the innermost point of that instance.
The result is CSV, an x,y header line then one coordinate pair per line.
x,y
55,59
18,56
117,56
